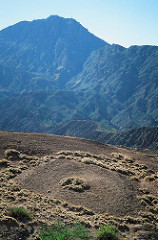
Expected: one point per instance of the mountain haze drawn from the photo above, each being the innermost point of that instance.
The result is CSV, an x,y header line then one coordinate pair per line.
x,y
53,73
54,49
126,80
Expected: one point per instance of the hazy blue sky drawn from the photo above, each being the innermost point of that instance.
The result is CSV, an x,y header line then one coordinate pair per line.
x,y
126,22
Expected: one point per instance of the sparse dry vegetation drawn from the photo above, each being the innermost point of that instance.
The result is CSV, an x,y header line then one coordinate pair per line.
x,y
19,213
12,154
75,183
46,210
122,164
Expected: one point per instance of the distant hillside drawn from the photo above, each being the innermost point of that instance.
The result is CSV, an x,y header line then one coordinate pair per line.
x,y
144,137
37,111
120,85
85,129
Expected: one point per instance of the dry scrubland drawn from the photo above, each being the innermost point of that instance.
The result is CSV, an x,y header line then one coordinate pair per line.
x,y
68,179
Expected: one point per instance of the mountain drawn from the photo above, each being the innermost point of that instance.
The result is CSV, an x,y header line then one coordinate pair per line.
x,y
44,53
123,83
84,129
143,137
36,111
56,77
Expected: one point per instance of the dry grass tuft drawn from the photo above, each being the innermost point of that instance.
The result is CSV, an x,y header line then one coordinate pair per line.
x,y
144,190
123,164
19,213
150,178
87,160
4,163
117,156
12,154
76,184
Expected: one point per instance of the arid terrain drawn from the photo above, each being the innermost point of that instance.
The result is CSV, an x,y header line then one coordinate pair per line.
x,y
69,179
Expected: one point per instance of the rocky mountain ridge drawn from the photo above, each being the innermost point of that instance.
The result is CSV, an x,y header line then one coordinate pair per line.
x,y
53,71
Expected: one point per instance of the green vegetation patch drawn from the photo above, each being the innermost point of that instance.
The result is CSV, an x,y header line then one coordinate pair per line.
x,y
62,232
107,232
19,213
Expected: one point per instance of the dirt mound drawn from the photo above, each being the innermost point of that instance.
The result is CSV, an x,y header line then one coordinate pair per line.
x,y
109,191
65,178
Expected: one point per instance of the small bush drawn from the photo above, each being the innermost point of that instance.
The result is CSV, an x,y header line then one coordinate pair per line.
x,y
62,232
12,154
76,184
107,232
4,163
150,178
19,213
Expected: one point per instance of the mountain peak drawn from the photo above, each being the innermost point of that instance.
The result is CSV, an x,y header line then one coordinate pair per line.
x,y
57,17
54,46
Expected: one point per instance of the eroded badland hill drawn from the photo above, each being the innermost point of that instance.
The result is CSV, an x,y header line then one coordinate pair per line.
x,y
70,179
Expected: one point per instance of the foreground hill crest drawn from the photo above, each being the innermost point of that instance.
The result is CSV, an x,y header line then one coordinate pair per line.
x,y
121,183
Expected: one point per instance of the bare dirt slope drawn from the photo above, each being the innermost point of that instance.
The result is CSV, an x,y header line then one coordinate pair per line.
x,y
45,144
122,182
109,192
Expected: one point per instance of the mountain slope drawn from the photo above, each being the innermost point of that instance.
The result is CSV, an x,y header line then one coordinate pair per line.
x,y
55,47
85,129
126,83
143,137
38,111
53,71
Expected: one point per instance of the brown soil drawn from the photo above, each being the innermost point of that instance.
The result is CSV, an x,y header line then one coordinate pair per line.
x,y
119,179
109,192
45,144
